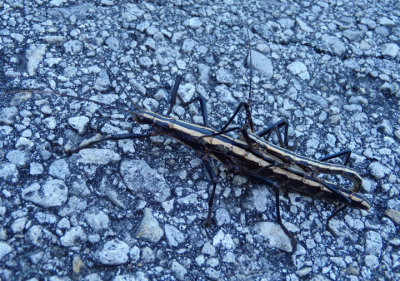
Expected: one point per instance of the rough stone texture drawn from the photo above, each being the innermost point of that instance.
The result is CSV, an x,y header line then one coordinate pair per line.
x,y
149,229
59,209
113,252
52,193
139,177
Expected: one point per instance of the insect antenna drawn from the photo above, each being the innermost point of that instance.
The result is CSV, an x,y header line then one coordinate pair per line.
x,y
33,91
249,120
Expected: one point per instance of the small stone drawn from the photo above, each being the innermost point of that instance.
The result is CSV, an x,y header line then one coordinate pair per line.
x,y
134,253
147,255
34,55
54,39
39,236
338,261
9,172
303,271
77,264
59,168
200,260
188,45
224,239
212,273
371,261
112,43
373,243
79,123
204,73
261,63
73,47
298,68
140,177
385,21
353,35
174,236
17,157
113,252
390,49
149,229
224,76
378,170
98,156
394,215
57,3
52,193
193,22
335,44
97,219
5,249
73,237
222,217
24,144
7,115
276,237
50,122
19,224
303,26
145,62
208,249
102,82
178,270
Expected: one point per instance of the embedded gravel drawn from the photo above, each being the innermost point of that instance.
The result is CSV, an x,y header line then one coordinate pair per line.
x,y
135,209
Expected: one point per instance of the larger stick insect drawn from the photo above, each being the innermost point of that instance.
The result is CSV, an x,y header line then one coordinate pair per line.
x,y
250,155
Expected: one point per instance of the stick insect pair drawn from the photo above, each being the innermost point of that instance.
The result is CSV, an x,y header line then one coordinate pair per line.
x,y
249,155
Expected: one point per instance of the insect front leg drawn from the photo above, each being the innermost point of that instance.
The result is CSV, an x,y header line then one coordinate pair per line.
x,y
174,94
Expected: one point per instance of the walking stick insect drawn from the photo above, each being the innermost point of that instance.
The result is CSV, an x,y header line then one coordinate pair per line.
x,y
251,155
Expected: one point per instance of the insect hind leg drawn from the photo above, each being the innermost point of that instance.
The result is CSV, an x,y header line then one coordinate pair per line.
x,y
346,153
275,186
211,173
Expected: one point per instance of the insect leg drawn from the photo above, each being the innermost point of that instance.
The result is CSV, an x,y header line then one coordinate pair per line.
x,y
249,120
277,205
335,212
111,137
276,128
345,198
199,98
345,153
173,93
211,173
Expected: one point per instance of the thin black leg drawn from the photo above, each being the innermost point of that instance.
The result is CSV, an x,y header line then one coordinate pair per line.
x,y
173,93
203,107
345,153
335,212
283,142
275,186
249,120
334,190
111,137
211,173
199,98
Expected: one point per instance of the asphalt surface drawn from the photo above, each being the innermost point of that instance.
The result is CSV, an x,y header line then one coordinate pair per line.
x,y
135,209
